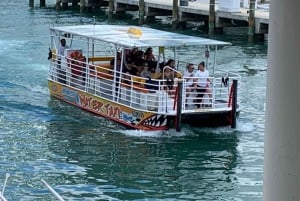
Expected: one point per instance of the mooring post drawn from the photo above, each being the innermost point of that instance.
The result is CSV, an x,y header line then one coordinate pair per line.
x,y
141,11
42,3
179,106
110,9
57,5
82,5
31,3
64,4
234,104
175,15
211,18
251,21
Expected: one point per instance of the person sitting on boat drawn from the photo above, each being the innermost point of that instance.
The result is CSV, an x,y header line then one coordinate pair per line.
x,y
148,55
145,72
139,60
132,55
189,78
168,76
150,59
202,83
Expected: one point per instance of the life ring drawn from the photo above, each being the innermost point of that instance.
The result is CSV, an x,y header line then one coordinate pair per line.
x,y
76,61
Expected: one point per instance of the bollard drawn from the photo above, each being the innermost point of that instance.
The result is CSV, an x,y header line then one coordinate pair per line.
x,y
31,3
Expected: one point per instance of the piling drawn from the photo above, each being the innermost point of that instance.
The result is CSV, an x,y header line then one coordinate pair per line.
x,y
110,9
82,5
141,11
64,4
57,5
251,21
31,3
43,3
175,15
211,17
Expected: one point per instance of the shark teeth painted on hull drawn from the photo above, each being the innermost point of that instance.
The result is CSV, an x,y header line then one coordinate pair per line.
x,y
156,121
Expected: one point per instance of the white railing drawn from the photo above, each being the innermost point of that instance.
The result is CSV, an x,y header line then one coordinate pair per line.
x,y
153,95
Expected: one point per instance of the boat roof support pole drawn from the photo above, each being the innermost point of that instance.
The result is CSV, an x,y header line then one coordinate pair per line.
x,y
206,54
179,106
175,56
115,74
215,60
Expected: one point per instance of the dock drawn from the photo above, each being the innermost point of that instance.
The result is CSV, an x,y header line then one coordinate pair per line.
x,y
214,14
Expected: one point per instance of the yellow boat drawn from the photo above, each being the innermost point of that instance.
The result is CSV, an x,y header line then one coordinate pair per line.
x,y
83,73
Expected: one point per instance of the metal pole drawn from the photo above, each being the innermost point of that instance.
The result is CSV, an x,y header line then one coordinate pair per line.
x,y
179,106
42,3
211,18
141,11
234,104
52,191
251,21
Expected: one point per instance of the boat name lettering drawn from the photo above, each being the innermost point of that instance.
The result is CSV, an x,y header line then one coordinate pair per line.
x,y
96,105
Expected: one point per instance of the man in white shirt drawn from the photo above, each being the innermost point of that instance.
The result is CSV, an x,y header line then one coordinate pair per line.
x,y
61,48
60,53
202,82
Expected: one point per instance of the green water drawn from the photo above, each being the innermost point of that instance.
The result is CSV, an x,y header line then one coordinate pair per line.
x,y
85,157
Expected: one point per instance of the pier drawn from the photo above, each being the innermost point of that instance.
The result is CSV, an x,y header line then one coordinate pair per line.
x,y
215,14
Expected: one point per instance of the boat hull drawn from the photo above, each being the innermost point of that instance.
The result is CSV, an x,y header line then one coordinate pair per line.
x,y
126,116
209,119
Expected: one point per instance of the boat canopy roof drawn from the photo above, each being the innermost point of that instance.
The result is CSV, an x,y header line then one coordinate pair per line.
x,y
131,36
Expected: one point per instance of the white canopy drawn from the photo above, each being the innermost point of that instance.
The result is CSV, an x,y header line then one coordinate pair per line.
x,y
130,36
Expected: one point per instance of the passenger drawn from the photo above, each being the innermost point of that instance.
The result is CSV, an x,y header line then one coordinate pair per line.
x,y
168,76
170,63
150,59
145,72
139,60
202,82
148,56
132,55
61,49
189,78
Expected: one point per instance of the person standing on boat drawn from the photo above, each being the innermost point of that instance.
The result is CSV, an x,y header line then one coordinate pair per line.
x,y
189,75
61,53
202,83
61,48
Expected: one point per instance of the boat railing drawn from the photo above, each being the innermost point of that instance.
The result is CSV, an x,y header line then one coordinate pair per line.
x,y
95,76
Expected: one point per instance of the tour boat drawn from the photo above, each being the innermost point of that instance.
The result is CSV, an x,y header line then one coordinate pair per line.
x,y
84,74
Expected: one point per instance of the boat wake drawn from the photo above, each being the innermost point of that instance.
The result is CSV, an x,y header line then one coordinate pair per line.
x,y
155,134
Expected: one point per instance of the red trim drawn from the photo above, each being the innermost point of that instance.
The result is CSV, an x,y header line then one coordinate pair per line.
x,y
230,96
